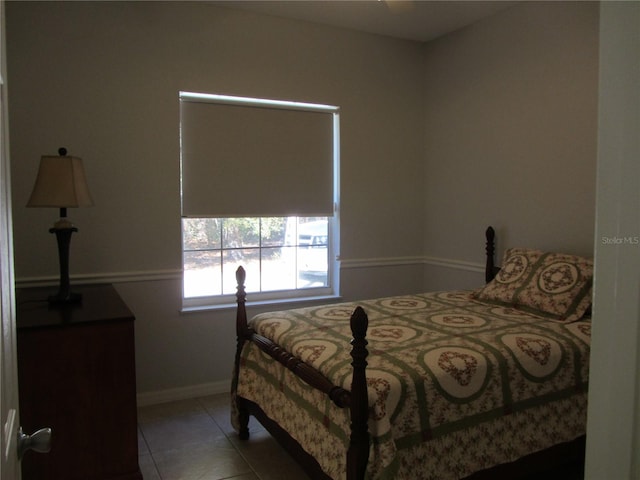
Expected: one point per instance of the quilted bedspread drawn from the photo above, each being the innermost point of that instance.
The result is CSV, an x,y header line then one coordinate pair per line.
x,y
454,385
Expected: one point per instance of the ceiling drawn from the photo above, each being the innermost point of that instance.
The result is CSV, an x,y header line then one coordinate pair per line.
x,y
419,20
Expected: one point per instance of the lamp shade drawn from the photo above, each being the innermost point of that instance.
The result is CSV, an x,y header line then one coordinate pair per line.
x,y
60,183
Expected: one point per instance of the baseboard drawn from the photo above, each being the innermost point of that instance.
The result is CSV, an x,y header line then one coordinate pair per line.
x,y
183,393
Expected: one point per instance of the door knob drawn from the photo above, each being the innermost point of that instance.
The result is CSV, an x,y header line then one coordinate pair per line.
x,y
39,441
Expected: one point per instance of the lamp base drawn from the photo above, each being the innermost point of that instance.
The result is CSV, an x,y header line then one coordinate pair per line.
x,y
62,298
63,230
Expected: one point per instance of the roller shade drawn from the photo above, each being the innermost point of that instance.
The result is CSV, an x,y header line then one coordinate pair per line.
x,y
255,160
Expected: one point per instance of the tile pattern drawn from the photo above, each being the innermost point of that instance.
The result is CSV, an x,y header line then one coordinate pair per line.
x,y
193,439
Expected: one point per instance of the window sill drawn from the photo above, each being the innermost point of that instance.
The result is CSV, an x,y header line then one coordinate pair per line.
x,y
284,303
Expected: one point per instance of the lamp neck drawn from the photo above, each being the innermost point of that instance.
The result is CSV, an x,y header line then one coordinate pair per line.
x,y
63,222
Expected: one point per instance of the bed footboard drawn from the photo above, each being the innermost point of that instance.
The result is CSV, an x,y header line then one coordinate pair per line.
x,y
357,400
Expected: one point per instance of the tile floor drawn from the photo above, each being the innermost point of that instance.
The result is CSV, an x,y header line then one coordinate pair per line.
x,y
193,439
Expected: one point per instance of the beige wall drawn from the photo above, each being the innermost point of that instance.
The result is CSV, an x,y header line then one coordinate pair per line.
x,y
511,122
423,129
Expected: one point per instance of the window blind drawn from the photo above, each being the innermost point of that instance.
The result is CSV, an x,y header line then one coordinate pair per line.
x,y
241,159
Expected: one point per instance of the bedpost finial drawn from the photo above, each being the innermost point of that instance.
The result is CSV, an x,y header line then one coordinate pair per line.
x,y
359,323
241,275
490,233
490,269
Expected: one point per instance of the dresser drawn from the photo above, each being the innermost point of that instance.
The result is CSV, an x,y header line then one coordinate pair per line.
x,y
76,375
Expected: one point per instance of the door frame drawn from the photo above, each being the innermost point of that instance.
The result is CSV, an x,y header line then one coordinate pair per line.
x,y
9,411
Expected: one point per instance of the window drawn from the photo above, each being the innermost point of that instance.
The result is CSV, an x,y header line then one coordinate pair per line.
x,y
278,253
259,189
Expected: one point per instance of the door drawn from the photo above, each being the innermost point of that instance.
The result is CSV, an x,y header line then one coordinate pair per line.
x,y
613,416
9,465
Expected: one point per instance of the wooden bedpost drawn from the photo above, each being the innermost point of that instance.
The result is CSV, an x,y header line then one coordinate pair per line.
x,y
358,453
241,312
242,332
490,268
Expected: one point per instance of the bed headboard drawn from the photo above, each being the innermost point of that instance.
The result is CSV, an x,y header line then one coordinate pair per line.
x,y
490,269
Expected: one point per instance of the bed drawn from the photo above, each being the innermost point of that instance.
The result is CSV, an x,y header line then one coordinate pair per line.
x,y
489,383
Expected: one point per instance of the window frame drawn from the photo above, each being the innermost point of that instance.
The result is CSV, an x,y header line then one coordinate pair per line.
x,y
331,290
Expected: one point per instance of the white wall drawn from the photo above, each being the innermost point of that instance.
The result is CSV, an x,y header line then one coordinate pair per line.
x,y
510,132
102,79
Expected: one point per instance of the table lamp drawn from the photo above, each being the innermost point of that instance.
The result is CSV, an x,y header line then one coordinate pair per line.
x,y
61,183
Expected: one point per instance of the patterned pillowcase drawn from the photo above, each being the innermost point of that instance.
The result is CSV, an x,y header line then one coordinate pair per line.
x,y
553,285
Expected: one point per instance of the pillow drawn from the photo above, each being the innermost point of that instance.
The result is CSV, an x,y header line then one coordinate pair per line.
x,y
552,285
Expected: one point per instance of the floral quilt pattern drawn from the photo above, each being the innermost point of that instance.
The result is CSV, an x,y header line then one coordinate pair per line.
x,y
455,385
